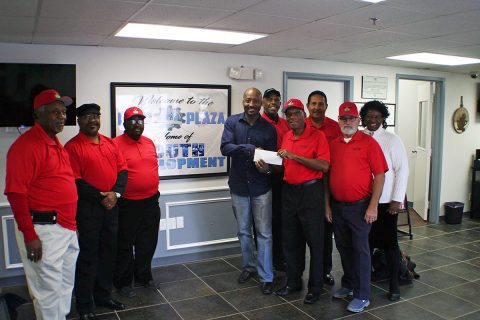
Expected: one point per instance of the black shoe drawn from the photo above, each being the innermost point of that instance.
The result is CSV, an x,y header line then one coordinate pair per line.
x,y
245,275
393,296
88,316
328,279
113,305
149,284
311,298
286,290
127,292
267,287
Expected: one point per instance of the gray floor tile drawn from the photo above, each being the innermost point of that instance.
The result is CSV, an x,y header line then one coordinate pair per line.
x,y
444,304
474,246
185,289
228,281
208,268
457,253
434,260
203,308
172,273
471,316
409,291
440,279
426,231
450,239
463,270
144,297
468,291
326,308
159,312
404,311
250,299
281,312
235,261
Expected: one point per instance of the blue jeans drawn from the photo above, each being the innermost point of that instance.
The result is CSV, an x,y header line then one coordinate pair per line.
x,y
245,210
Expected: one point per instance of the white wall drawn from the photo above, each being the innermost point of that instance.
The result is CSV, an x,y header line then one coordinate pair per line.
x,y
98,66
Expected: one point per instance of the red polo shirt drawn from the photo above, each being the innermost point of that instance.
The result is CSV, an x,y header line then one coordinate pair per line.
x,y
281,126
97,164
353,166
310,144
39,168
329,127
142,162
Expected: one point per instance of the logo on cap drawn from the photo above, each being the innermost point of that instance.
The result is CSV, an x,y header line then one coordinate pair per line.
x,y
135,111
346,109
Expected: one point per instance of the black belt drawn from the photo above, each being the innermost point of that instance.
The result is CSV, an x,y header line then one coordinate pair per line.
x,y
354,203
305,184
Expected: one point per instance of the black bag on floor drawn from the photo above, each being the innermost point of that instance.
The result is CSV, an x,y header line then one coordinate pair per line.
x,y
9,303
380,269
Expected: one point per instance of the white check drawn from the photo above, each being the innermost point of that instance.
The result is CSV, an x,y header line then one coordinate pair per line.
x,y
267,156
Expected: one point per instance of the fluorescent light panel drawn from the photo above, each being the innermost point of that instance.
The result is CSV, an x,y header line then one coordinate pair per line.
x,y
155,31
434,58
373,1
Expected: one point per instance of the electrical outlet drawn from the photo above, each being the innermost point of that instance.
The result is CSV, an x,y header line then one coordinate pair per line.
x,y
180,223
163,224
172,223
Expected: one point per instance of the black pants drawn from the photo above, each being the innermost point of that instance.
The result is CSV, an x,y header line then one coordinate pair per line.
x,y
328,247
97,238
277,250
138,223
303,216
384,236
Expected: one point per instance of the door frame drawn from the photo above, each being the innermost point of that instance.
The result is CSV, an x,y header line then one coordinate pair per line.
x,y
347,81
438,119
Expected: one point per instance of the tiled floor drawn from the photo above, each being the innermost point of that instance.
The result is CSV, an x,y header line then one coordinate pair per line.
x,y
447,257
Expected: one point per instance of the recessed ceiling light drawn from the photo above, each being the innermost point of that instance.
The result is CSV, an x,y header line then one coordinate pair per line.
x,y
155,31
434,58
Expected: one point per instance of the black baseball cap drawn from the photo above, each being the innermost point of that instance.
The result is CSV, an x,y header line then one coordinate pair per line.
x,y
88,108
270,92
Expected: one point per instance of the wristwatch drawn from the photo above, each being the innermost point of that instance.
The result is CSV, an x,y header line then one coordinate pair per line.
x,y
118,195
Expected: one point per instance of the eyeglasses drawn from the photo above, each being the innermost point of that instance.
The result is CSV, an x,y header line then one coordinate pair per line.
x,y
347,119
91,116
134,121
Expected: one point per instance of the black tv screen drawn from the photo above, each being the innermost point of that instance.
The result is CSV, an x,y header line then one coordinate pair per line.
x,y
21,82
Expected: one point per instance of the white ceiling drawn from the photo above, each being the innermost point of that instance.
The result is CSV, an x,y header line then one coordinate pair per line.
x,y
331,30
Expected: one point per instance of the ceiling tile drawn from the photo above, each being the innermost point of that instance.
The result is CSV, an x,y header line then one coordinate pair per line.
x,y
377,38
466,51
471,37
58,26
68,39
435,6
212,4
305,9
387,16
436,27
17,25
16,38
18,8
180,16
260,23
89,9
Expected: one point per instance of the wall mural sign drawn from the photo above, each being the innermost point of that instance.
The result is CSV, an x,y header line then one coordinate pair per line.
x,y
185,121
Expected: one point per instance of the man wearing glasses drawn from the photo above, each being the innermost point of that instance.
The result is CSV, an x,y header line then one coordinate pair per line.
x,y
306,159
357,175
100,175
139,211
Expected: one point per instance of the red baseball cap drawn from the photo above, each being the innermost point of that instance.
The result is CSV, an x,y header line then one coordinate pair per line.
x,y
293,103
48,96
348,109
133,111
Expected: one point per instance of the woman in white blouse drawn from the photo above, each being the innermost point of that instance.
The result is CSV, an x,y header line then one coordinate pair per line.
x,y
383,234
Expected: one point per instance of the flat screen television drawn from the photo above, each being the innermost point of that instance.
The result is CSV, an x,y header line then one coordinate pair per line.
x,y
21,82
